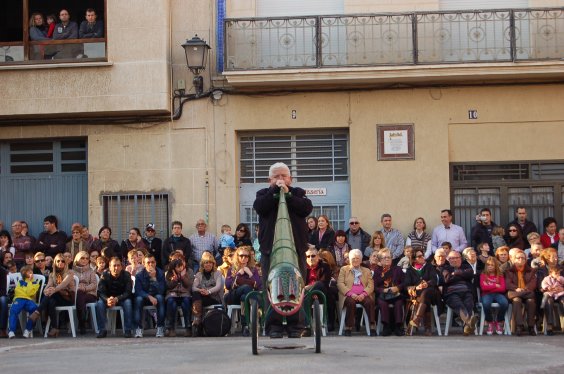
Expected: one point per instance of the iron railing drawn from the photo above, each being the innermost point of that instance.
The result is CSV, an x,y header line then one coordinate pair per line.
x,y
477,36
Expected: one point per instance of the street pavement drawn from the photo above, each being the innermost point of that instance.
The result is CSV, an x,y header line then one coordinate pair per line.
x,y
356,354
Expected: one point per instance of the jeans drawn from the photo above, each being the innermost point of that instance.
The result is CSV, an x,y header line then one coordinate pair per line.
x,y
140,302
3,312
17,306
102,307
185,303
487,301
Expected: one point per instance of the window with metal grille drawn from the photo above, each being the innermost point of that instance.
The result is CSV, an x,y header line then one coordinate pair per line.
x,y
48,156
311,157
124,211
535,185
335,213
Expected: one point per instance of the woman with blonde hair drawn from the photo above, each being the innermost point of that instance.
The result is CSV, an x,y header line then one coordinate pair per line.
x,y
228,254
242,278
377,242
58,292
206,290
87,286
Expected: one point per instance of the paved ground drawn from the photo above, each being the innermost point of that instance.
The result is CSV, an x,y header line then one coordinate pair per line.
x,y
356,354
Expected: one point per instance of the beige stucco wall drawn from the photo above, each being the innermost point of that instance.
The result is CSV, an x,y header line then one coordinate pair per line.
x,y
138,77
509,116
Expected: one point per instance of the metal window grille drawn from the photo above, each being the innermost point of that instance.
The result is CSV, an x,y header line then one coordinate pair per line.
x,y
535,185
124,211
335,213
311,157
469,201
48,156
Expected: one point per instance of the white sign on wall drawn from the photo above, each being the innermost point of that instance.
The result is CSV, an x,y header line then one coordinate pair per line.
x,y
320,191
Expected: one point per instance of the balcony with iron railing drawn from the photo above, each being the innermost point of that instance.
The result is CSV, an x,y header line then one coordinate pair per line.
x,y
410,48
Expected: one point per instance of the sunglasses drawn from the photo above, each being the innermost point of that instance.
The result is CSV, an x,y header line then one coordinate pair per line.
x,y
243,256
41,260
354,223
311,256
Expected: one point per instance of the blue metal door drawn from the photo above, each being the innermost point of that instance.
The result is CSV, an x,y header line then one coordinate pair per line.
x,y
43,177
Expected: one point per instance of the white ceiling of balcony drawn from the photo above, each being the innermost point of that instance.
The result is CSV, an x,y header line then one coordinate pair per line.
x,y
277,8
482,4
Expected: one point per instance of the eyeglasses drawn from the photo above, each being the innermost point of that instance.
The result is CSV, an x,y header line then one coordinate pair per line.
x,y
354,223
59,261
454,258
243,256
40,260
512,230
311,256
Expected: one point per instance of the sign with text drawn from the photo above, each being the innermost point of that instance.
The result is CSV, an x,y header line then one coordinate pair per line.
x,y
320,191
396,142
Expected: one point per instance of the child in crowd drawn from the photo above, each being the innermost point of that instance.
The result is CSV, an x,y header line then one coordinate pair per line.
x,y
226,239
484,252
534,256
553,291
227,261
11,267
498,233
492,284
405,261
101,265
51,22
134,267
24,299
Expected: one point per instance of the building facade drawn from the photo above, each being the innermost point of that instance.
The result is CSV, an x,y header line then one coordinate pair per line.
x,y
98,136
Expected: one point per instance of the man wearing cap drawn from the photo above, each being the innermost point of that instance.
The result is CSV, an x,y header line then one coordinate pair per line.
x,y
356,236
153,243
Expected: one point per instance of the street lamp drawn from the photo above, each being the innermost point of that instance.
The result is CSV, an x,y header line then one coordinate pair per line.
x,y
196,51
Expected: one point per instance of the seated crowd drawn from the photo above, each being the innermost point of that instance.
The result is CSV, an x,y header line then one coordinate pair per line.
x,y
401,280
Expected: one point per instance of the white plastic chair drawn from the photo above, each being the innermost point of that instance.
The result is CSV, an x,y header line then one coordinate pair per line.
x,y
91,308
111,313
15,277
70,309
233,311
507,324
449,321
364,319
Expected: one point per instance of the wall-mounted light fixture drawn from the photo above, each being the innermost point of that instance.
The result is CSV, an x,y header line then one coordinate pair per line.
x,y
196,51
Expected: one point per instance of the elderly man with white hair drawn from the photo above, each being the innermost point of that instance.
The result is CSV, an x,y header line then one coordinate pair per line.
x,y
356,285
299,207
